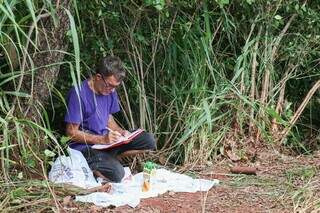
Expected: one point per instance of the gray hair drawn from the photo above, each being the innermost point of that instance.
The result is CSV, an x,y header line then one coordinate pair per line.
x,y
111,65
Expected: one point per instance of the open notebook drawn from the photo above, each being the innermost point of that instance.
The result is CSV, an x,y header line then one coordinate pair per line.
x,y
122,140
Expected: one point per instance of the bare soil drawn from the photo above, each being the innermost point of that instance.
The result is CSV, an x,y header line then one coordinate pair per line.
x,y
282,184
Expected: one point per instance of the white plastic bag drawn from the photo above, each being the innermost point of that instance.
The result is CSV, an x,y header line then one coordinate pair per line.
x,y
73,170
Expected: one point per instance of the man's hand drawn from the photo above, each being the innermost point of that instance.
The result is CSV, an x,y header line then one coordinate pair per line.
x,y
113,136
124,133
112,124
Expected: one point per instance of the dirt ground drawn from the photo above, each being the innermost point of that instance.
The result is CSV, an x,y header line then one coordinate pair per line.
x,y
282,184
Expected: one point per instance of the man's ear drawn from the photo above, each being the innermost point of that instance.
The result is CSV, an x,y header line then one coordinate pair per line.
x,y
97,76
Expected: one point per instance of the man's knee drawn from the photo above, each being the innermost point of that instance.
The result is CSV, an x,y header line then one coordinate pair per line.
x,y
114,173
150,141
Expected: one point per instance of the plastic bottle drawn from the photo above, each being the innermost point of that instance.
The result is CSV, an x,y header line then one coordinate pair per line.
x,y
148,172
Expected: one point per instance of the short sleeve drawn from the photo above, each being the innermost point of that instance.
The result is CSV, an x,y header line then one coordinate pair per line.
x,y
74,112
114,107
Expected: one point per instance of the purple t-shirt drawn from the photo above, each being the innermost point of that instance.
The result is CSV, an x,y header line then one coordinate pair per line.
x,y
90,110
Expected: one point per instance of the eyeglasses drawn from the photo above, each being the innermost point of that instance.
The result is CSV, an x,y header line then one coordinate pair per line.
x,y
108,85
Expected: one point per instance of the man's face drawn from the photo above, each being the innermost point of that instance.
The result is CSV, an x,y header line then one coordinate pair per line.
x,y
105,85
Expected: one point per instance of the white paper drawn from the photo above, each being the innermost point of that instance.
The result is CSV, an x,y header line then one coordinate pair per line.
x,y
120,140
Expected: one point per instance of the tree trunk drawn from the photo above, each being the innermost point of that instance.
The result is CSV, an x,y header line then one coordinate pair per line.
x,y
51,43
45,58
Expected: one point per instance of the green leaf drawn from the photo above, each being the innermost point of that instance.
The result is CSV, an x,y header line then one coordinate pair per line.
x,y
222,2
17,193
75,42
49,153
158,4
7,147
20,175
31,163
15,93
32,10
274,114
278,17
207,113
64,139
250,1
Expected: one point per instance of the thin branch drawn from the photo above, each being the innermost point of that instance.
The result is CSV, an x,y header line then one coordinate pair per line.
x,y
297,114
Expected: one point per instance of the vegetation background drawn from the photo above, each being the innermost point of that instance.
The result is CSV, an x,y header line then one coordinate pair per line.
x,y
209,78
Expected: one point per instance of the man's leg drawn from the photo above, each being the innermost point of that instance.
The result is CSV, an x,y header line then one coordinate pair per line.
x,y
105,163
144,141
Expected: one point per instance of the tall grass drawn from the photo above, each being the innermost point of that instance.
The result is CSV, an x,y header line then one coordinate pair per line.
x,y
25,139
205,78
210,77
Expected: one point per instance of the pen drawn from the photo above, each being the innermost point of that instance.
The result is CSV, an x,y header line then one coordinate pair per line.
x,y
110,130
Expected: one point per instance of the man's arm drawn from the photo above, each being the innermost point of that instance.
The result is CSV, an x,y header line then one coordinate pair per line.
x,y
112,124
72,130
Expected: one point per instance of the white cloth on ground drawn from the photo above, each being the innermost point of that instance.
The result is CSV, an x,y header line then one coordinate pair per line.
x,y
130,192
75,170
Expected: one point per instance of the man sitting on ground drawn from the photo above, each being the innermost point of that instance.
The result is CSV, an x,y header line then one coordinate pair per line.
x,y
89,116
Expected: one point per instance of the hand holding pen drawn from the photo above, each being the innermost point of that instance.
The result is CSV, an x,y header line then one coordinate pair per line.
x,y
113,136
